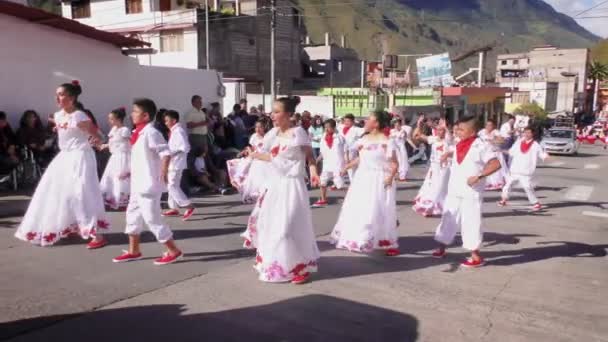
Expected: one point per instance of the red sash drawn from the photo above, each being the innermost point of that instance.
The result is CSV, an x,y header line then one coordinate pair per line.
x,y
463,147
136,131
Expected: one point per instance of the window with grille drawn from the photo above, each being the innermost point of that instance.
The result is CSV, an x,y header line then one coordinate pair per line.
x,y
133,6
172,40
81,9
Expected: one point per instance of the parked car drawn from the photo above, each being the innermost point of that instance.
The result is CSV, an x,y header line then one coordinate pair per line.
x,y
560,140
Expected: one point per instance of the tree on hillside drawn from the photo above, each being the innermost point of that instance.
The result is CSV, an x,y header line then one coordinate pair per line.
x,y
598,72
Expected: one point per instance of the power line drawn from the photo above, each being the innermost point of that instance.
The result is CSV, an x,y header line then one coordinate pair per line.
x,y
591,8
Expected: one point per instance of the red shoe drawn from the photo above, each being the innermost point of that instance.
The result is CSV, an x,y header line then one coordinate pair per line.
x,y
301,279
319,204
537,207
502,203
189,212
439,253
470,263
171,212
96,244
392,252
167,258
126,257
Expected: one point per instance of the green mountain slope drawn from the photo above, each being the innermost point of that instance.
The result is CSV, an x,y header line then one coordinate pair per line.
x,y
430,26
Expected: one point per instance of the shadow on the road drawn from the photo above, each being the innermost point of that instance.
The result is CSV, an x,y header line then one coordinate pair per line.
x,y
215,256
335,267
201,216
8,224
558,205
308,318
555,167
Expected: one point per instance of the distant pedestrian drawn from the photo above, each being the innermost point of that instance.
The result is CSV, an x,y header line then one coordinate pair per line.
x,y
197,122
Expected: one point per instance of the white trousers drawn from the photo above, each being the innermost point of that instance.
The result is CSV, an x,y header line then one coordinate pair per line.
x,y
464,215
177,198
334,176
526,184
145,209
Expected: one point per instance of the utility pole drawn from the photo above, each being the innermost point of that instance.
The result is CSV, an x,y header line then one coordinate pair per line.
x,y
207,33
273,25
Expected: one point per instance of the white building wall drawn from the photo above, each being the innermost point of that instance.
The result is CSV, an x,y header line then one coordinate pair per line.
x,y
183,59
41,58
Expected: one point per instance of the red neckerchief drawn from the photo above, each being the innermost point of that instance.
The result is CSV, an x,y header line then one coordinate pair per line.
x,y
440,148
306,124
463,147
525,146
136,131
387,131
329,139
345,130
275,150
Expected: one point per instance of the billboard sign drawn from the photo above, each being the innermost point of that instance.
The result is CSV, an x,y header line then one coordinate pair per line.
x,y
435,70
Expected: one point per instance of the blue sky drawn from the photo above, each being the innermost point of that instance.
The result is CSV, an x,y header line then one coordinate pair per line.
x,y
573,7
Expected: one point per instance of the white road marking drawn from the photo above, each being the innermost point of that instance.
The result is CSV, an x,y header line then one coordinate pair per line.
x,y
595,214
557,163
579,193
592,166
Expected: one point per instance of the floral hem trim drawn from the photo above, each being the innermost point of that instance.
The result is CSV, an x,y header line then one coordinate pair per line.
x,y
427,208
275,272
497,186
367,246
48,239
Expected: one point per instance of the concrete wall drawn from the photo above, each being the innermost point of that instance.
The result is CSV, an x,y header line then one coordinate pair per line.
x,y
322,105
41,58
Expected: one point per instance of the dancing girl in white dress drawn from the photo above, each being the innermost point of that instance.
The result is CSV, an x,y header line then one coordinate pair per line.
x,y
116,180
430,198
399,135
368,219
280,226
491,136
247,175
68,199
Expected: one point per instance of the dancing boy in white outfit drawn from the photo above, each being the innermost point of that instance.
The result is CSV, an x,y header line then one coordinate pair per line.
x,y
332,153
351,134
179,148
150,157
524,155
473,161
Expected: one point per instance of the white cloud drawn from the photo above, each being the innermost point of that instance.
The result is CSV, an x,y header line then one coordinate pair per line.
x,y
573,7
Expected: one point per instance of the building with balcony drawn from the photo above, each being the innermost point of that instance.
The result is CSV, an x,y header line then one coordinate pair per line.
x,y
544,69
239,34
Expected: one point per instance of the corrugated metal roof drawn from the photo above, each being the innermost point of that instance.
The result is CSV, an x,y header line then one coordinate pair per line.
x,y
41,17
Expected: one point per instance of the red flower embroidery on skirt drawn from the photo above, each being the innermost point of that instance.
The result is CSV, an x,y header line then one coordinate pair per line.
x,y
384,243
31,236
299,268
102,224
50,237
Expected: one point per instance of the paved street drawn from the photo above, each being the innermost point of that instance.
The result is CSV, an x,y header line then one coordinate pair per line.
x,y
546,280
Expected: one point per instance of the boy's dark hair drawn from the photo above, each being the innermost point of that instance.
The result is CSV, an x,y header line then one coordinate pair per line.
x,y
2,115
215,104
236,108
467,119
147,106
172,114
492,121
195,97
530,128
243,101
349,116
330,122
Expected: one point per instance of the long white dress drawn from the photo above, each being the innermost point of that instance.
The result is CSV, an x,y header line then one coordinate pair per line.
x,y
280,225
430,198
249,176
498,179
67,199
400,137
116,180
368,219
